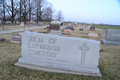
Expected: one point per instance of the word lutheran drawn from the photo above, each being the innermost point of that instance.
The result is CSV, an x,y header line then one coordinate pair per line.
x,y
54,53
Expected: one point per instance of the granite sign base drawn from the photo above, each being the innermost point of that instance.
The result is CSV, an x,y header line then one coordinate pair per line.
x,y
56,32
57,68
110,42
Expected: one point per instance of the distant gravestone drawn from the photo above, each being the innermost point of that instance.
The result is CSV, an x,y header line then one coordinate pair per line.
x,y
85,33
80,29
49,53
27,23
92,28
22,24
55,28
40,24
112,37
31,23
93,35
16,39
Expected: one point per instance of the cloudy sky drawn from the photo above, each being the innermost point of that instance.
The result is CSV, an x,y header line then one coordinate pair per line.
x,y
89,11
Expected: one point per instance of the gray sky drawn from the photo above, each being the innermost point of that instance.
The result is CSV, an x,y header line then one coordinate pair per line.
x,y
89,11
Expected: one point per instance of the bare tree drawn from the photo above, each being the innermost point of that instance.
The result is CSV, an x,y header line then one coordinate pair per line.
x,y
60,15
41,8
48,14
12,8
20,10
26,9
2,8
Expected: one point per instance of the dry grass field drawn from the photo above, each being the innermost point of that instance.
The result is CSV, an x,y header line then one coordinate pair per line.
x,y
10,27
109,62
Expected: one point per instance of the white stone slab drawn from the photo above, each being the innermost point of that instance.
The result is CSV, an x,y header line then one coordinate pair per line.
x,y
56,22
22,24
75,55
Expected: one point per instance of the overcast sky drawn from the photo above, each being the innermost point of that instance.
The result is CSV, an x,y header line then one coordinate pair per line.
x,y
89,11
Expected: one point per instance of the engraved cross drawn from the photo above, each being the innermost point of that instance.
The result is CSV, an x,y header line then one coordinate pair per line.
x,y
83,48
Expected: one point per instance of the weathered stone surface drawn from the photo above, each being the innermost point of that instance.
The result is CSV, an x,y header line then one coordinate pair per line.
x,y
39,24
85,33
60,54
22,24
55,32
16,39
80,29
93,35
55,27
112,37
92,28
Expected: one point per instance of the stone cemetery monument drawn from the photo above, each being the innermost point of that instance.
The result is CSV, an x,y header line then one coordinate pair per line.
x,y
31,23
16,39
27,23
112,37
86,27
85,33
22,24
55,28
80,29
17,22
58,54
93,35
40,24
92,28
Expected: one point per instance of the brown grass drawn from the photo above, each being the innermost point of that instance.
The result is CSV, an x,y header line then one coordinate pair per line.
x,y
109,62
10,27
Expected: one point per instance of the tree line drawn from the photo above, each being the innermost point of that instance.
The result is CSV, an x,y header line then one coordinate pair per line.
x,y
26,10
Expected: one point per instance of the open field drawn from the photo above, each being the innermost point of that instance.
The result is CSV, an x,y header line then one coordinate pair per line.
x,y
106,27
109,62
